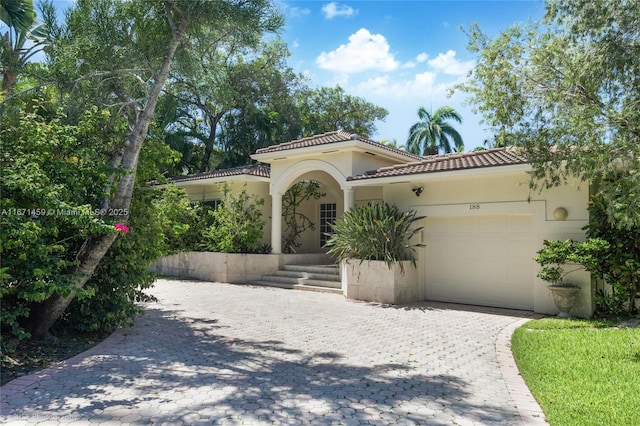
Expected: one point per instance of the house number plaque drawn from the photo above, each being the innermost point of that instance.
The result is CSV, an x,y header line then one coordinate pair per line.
x,y
474,206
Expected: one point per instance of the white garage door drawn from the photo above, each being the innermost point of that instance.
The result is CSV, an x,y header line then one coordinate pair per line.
x,y
480,260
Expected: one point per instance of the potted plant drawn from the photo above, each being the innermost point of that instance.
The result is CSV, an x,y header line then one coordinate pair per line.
x,y
552,259
378,237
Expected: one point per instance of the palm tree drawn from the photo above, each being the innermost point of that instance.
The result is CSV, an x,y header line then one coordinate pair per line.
x,y
20,17
393,143
433,132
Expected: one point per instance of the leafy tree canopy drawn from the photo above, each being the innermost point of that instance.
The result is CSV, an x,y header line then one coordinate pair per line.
x,y
567,90
329,108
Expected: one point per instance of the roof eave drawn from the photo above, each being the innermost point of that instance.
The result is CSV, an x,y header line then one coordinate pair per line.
x,y
220,179
333,146
441,175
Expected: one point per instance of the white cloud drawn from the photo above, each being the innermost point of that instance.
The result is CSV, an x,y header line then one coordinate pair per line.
x,y
424,80
296,12
422,57
421,86
377,85
448,64
409,64
333,9
365,51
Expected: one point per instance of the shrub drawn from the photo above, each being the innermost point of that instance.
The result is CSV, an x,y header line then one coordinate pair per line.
x,y
612,254
121,280
237,223
556,254
619,265
375,232
51,181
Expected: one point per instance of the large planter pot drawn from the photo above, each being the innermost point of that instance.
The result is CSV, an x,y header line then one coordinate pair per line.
x,y
373,281
564,297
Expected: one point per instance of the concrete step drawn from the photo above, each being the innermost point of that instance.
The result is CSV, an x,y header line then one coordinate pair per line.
x,y
324,283
314,269
333,282
307,275
298,287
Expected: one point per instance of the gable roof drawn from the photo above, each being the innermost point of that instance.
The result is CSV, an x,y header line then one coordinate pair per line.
x,y
449,162
331,138
260,170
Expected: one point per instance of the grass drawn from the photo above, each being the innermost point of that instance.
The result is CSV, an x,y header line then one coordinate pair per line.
x,y
582,372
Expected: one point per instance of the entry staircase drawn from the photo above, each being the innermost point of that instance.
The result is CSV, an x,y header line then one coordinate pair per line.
x,y
320,278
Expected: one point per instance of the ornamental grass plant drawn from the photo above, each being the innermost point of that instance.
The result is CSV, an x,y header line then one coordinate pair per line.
x,y
375,232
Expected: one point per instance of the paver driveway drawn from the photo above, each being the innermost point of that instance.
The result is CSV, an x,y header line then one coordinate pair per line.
x,y
210,353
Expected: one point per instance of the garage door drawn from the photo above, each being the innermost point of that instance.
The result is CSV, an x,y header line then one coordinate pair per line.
x,y
480,260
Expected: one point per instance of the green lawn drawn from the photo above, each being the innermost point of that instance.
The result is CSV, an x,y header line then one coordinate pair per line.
x,y
581,372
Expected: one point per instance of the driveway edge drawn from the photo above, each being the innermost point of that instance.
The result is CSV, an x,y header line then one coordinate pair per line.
x,y
31,380
527,406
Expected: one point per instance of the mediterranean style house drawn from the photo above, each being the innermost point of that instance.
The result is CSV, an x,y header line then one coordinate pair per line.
x,y
483,225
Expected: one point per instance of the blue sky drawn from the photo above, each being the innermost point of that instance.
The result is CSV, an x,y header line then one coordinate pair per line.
x,y
398,54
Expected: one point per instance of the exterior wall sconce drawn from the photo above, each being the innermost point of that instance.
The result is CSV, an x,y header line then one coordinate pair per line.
x,y
560,213
418,190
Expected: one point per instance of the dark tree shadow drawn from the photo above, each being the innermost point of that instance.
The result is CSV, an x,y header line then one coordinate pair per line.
x,y
168,353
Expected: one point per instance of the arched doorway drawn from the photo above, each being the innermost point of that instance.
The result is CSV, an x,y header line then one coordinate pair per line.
x,y
338,198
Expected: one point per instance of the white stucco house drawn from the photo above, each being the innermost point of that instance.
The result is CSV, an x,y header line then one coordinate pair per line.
x,y
482,229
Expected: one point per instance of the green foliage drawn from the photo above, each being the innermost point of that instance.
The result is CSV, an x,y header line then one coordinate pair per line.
x,y
121,280
619,264
556,254
107,65
49,184
296,223
329,108
571,82
243,89
552,259
375,232
434,132
237,223
612,254
20,17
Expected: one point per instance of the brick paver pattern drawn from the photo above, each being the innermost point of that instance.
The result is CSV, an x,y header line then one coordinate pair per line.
x,y
212,353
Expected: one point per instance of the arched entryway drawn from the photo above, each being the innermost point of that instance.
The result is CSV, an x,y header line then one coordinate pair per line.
x,y
334,183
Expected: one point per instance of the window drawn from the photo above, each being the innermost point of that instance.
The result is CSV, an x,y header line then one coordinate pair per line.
x,y
214,204
327,217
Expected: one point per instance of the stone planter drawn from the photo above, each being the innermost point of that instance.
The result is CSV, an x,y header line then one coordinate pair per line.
x,y
373,281
564,297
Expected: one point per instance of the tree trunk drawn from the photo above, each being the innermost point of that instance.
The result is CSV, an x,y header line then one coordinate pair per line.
x,y
43,316
632,297
96,246
211,140
8,82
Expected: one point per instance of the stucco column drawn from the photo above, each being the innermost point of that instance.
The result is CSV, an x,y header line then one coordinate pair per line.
x,y
349,198
276,223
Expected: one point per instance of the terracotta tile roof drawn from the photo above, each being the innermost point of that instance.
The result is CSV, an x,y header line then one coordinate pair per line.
x,y
327,139
448,162
260,170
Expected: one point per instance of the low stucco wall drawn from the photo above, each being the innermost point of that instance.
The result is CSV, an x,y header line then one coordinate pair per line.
x,y
237,268
221,267
373,281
